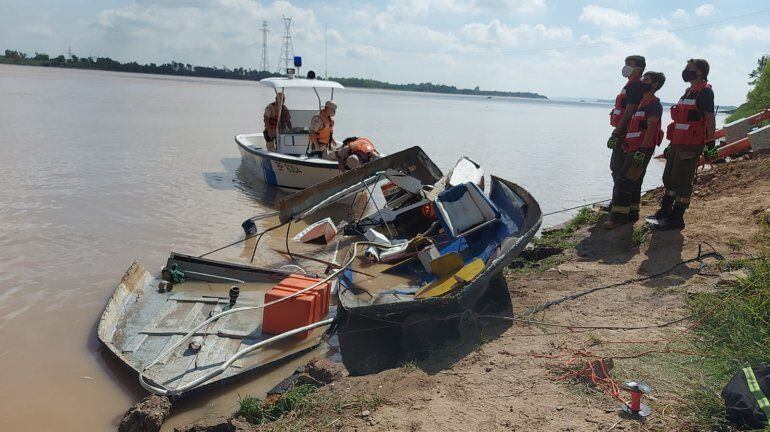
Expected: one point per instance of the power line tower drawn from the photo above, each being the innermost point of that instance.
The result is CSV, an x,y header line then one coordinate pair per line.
x,y
263,65
287,48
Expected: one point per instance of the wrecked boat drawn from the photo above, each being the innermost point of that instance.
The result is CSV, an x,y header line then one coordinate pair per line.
x,y
429,248
392,241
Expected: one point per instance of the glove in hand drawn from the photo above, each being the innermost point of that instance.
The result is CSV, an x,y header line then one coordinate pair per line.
x,y
710,151
612,142
639,158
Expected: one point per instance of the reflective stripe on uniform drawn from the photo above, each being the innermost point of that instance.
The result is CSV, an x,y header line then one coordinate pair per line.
x,y
639,114
683,200
669,192
681,126
754,388
616,111
687,101
621,209
633,135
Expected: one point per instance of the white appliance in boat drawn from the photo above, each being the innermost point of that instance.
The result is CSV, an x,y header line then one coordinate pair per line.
x,y
290,166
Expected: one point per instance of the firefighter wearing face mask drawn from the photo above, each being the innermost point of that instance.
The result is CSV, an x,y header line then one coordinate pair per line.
x,y
643,135
626,104
691,133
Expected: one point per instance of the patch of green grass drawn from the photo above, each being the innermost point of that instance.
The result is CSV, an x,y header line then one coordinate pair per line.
x,y
735,244
562,238
256,411
736,328
638,235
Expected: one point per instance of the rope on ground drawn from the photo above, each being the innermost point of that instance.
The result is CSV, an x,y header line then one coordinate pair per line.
x,y
243,239
700,257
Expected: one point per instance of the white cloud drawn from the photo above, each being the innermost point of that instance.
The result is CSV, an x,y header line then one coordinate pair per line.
x,y
745,33
498,33
680,14
422,8
606,17
659,22
705,9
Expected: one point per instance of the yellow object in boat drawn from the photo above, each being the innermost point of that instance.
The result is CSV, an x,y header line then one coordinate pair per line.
x,y
453,281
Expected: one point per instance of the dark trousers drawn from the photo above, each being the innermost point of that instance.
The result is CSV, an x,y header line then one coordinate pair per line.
x,y
627,193
679,174
616,162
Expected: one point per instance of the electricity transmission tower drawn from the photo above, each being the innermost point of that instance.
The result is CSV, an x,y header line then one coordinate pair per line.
x,y
263,65
287,48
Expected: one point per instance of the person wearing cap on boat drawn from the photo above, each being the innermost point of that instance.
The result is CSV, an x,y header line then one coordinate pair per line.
x,y
691,133
625,106
322,131
356,151
644,134
273,111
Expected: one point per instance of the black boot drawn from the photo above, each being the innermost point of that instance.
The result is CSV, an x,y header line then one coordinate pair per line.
x,y
675,221
665,210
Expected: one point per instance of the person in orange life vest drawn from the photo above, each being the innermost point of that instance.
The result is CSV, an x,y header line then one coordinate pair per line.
x,y
643,135
691,133
322,132
625,105
356,151
273,111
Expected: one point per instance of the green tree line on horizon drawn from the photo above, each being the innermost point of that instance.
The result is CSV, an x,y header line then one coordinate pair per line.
x,y
186,69
758,97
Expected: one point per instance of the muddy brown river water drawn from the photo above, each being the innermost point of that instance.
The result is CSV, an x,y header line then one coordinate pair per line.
x,y
99,169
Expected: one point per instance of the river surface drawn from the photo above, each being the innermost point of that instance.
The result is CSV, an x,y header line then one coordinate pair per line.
x,y
100,169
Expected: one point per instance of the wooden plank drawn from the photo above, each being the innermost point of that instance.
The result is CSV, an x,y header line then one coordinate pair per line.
x,y
134,343
187,322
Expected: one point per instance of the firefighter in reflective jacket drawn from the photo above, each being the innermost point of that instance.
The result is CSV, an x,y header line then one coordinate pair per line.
x,y
322,132
691,133
356,151
625,105
643,135
275,111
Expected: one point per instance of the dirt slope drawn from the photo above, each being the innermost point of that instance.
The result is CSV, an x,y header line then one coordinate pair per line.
x,y
498,380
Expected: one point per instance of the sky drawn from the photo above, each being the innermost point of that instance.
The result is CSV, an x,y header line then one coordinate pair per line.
x,y
557,48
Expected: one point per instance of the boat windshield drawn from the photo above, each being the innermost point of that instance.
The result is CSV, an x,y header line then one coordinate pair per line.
x,y
300,121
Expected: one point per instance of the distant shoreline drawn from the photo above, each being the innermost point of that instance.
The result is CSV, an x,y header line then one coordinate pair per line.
x,y
185,69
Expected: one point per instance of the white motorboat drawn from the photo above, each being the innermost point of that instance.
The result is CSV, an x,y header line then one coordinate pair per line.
x,y
290,166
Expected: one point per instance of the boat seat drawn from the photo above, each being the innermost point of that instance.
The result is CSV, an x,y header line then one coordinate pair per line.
x,y
464,208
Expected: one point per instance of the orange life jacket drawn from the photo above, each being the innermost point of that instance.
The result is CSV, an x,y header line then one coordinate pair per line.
x,y
637,127
620,104
324,135
688,125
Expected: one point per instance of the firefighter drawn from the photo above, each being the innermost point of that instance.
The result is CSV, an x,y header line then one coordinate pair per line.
x,y
691,132
356,151
625,105
322,132
275,113
643,134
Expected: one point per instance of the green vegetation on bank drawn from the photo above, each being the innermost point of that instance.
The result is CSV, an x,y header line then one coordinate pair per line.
x,y
736,328
186,69
758,97
430,88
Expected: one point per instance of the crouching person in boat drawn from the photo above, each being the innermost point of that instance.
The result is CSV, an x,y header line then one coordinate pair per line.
x,y
356,151
322,132
643,134
275,113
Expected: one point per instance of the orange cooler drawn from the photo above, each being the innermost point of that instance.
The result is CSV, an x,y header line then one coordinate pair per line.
x,y
304,309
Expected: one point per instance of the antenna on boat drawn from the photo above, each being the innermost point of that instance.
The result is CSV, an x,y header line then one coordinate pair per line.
x,y
263,65
287,48
326,51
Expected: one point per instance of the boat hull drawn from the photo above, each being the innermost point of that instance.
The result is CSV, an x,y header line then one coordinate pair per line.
x,y
139,323
287,172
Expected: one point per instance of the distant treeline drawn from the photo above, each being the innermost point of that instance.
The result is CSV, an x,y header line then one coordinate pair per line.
x,y
758,97
430,88
186,69
106,63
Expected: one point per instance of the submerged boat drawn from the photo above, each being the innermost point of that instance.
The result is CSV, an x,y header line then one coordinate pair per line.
x,y
414,243
291,166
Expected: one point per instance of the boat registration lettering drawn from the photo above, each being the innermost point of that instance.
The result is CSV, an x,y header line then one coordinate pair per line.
x,y
282,166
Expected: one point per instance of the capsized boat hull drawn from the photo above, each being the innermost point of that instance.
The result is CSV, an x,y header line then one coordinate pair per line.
x,y
139,322
287,172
